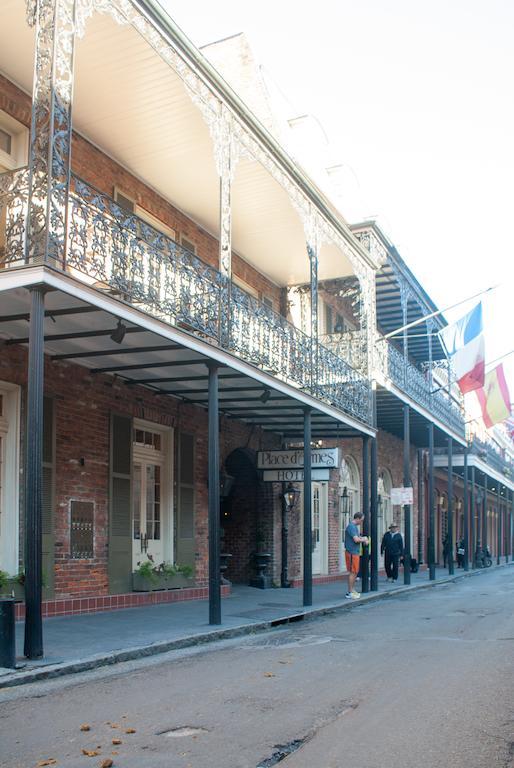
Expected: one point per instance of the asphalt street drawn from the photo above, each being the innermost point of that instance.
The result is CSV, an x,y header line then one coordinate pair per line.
x,y
424,679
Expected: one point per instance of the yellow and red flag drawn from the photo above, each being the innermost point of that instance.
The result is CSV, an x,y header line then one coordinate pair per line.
x,y
494,397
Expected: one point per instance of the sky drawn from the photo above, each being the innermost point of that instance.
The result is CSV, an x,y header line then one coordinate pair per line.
x,y
416,99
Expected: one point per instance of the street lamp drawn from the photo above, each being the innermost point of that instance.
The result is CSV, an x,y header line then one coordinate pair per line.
x,y
291,496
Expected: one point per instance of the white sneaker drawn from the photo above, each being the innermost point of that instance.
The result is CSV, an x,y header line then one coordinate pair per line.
x,y
355,595
348,595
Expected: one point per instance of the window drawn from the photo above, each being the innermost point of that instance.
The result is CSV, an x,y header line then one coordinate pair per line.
x,y
14,143
187,244
124,201
129,205
5,141
9,474
246,287
268,302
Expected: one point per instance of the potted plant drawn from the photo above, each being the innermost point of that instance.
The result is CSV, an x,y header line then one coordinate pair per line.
x,y
4,584
16,585
150,577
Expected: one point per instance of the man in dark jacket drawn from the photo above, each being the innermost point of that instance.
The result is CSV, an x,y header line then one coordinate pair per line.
x,y
392,549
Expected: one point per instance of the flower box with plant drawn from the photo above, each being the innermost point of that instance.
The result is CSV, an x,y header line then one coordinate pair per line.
x,y
14,586
150,577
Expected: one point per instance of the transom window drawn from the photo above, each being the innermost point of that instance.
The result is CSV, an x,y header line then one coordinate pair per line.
x,y
147,439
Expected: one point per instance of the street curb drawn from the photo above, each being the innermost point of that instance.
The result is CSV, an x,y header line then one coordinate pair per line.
x,y
305,614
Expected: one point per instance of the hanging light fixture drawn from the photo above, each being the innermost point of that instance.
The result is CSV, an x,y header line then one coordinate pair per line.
x,y
119,332
345,501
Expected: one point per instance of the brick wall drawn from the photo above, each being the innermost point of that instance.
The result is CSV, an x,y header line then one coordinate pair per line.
x,y
83,404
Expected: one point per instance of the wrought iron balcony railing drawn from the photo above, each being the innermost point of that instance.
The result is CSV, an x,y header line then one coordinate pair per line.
x,y
409,379
350,346
491,455
117,252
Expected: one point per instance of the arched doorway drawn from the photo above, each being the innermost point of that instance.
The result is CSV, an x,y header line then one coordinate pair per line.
x,y
246,519
350,485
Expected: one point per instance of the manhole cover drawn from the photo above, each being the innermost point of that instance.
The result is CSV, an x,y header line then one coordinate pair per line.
x,y
184,730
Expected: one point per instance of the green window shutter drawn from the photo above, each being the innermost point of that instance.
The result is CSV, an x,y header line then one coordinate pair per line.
x,y
185,541
120,507
48,498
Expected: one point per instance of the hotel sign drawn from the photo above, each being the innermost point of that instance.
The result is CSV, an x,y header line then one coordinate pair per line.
x,y
401,496
321,458
293,475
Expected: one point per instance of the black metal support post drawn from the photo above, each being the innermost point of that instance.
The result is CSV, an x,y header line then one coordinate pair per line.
x,y
406,484
498,527
307,509
366,510
450,507
474,528
511,529
421,506
466,511
484,516
214,499
33,646
284,572
431,519
374,515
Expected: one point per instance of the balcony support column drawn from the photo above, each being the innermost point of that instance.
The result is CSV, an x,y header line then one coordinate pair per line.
x,y
421,506
226,160
466,511
366,510
33,647
472,520
374,515
307,509
214,498
404,300
312,253
450,507
484,515
431,512
51,125
406,484
498,526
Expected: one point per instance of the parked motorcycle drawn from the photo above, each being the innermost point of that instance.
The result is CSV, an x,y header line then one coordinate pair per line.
x,y
483,558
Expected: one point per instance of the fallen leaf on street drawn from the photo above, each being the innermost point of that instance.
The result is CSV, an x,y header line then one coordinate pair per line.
x,y
269,674
115,752
130,730
85,727
114,725
90,752
49,761
106,763
116,741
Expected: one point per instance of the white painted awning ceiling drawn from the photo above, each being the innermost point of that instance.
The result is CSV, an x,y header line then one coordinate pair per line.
x,y
78,332
133,106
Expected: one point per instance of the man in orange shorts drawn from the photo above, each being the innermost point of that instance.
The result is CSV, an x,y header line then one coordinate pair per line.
x,y
352,545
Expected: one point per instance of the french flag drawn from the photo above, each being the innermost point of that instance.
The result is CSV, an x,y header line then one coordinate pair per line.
x,y
464,345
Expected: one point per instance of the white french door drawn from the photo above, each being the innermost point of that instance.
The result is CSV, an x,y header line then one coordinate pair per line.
x,y
151,513
319,528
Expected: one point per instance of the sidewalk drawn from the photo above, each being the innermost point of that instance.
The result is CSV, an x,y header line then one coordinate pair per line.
x,y
83,642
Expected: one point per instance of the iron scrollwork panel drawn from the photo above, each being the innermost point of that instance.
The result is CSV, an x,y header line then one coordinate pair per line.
x,y
118,252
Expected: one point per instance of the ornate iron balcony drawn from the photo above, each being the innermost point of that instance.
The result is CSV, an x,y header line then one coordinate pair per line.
x,y
391,362
491,455
117,252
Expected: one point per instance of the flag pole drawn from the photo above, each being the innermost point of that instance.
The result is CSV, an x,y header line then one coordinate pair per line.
x,y
438,312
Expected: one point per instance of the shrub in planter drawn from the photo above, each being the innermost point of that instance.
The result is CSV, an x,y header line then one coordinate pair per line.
x,y
150,577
